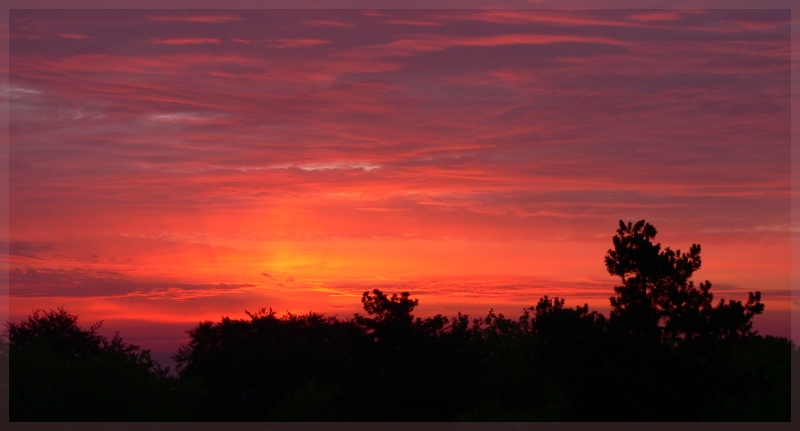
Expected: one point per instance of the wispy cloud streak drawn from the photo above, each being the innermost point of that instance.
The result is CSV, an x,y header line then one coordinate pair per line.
x,y
194,18
185,41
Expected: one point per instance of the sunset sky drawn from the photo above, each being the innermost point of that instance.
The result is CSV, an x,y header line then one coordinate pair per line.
x,y
172,166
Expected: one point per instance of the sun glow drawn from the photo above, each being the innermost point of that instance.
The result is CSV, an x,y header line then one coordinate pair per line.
x,y
180,167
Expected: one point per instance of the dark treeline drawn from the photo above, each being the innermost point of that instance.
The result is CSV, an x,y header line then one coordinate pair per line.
x,y
665,353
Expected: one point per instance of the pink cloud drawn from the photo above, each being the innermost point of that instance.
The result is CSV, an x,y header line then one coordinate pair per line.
x,y
72,36
195,18
373,13
412,22
411,46
185,41
670,15
558,18
295,43
328,23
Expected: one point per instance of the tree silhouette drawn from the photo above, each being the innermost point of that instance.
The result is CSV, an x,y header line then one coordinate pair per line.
x,y
392,322
657,299
58,331
61,372
666,353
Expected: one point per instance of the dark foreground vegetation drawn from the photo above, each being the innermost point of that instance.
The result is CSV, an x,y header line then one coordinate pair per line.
x,y
666,353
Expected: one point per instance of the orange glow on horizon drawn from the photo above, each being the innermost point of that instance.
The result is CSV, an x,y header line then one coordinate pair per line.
x,y
180,166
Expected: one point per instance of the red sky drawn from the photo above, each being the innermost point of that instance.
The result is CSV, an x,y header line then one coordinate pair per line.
x,y
173,166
